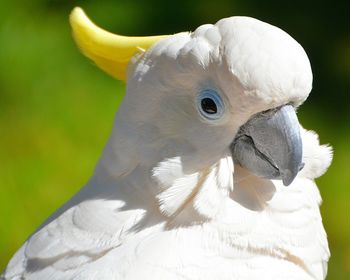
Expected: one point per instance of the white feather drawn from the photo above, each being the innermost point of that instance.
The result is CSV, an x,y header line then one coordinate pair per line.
x,y
317,157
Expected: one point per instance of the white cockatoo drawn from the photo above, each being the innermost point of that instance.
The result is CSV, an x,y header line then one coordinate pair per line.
x,y
207,174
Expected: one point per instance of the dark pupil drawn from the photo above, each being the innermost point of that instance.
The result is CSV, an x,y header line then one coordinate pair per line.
x,y
209,106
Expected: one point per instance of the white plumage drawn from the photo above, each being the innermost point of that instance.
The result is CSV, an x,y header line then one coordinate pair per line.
x,y
166,200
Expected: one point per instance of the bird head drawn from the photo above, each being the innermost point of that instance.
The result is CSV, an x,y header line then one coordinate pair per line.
x,y
228,90
230,86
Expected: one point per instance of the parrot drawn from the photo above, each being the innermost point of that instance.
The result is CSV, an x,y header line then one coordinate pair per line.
x,y
207,174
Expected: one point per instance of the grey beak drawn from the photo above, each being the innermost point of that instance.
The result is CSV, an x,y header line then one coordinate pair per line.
x,y
270,146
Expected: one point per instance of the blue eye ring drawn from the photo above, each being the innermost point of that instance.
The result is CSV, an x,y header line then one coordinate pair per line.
x,y
210,104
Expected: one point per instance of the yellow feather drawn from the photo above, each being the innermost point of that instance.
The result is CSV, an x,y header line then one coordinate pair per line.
x,y
109,51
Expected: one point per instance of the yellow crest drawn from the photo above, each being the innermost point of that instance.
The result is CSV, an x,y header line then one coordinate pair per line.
x,y
109,51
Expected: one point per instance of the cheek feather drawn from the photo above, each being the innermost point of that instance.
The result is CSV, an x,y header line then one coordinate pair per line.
x,y
317,158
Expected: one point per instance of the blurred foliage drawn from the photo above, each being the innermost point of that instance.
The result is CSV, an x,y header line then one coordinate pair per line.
x,y
56,109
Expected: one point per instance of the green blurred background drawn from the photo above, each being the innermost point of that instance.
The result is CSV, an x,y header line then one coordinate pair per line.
x,y
57,109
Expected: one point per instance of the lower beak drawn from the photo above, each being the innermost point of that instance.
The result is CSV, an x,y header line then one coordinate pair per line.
x,y
270,146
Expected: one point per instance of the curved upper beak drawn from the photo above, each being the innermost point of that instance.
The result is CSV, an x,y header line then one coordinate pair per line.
x,y
270,145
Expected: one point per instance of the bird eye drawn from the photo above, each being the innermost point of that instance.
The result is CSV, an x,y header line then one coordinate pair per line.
x,y
210,104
